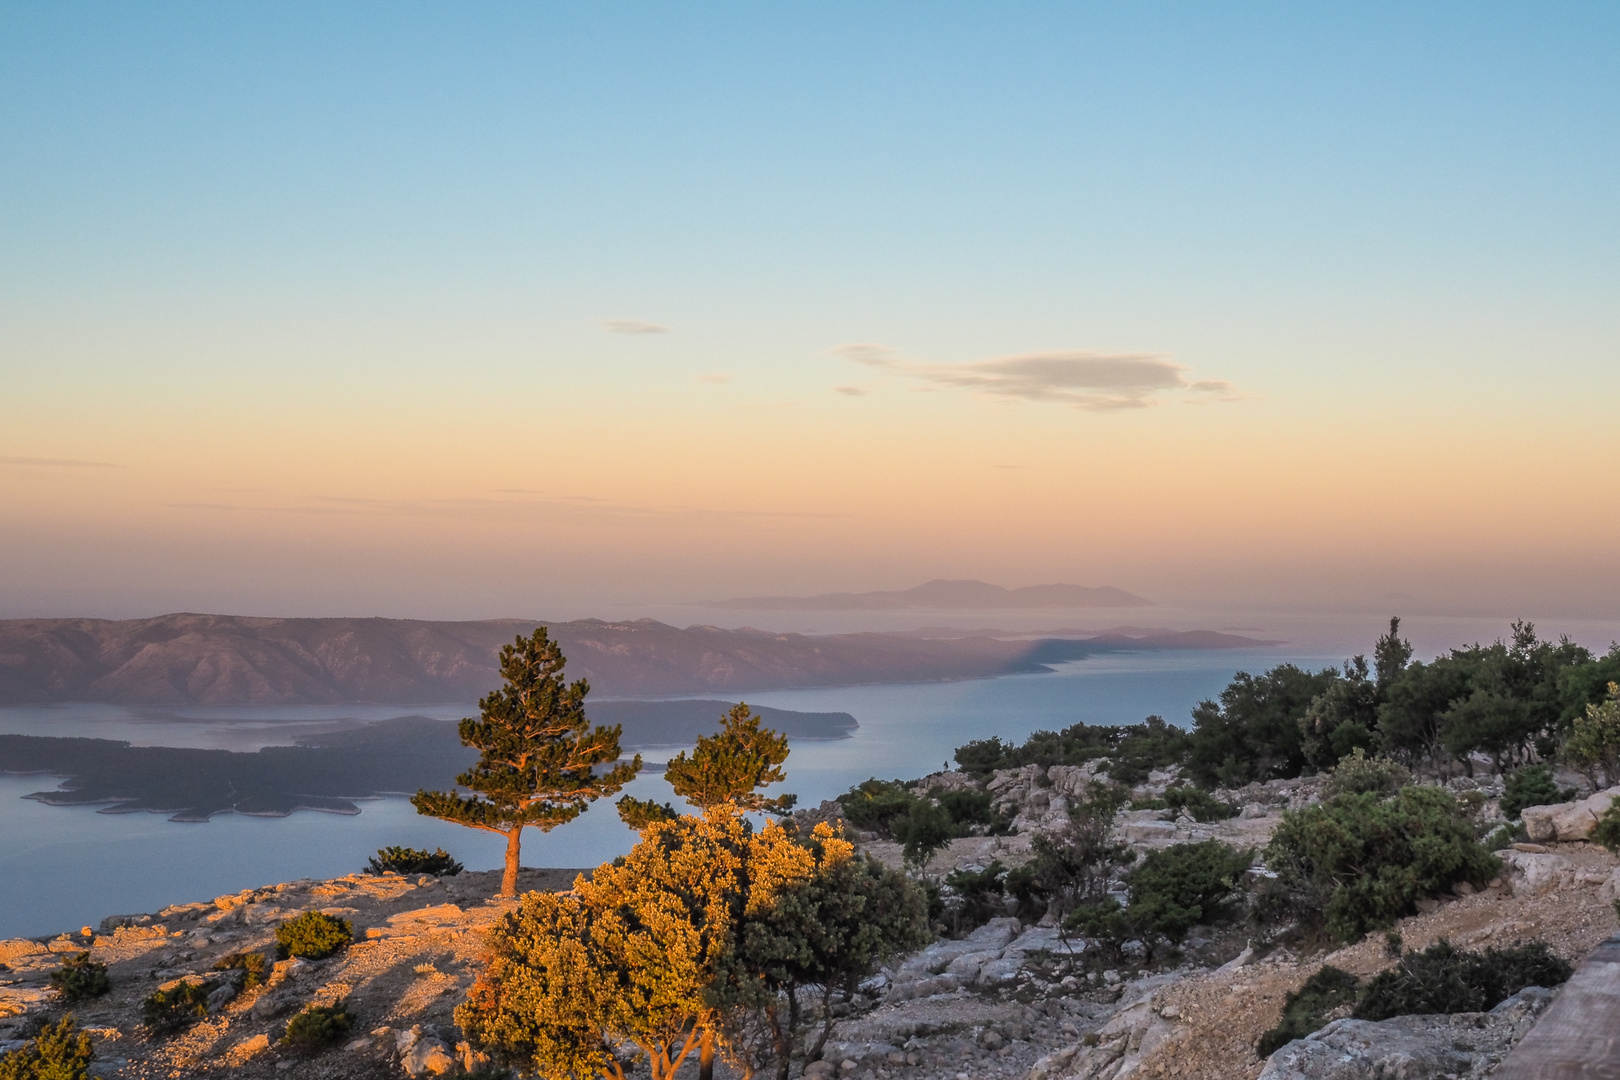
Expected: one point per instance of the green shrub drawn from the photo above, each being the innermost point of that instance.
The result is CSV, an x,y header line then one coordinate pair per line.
x,y
1358,862
404,860
80,978
59,1052
967,807
1074,867
1306,1010
1131,751
1442,979
980,896
253,965
1173,890
312,936
1199,803
319,1025
182,1004
1607,830
874,804
922,830
1357,773
1531,786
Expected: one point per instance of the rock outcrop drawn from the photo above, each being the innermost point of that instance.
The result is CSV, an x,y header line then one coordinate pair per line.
x,y
1411,1047
1564,822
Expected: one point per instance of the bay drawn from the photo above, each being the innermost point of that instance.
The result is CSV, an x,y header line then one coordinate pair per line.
x,y
65,867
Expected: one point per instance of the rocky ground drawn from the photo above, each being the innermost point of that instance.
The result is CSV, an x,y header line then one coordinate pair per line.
x,y
416,951
1009,1000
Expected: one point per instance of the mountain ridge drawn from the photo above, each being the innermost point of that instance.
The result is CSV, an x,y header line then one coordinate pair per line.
x,y
964,594
194,659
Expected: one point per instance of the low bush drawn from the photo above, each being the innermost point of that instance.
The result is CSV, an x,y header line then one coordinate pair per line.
x,y
1073,867
977,896
922,830
253,966
1356,774
967,807
80,978
1443,979
1357,862
1307,1009
1607,830
1132,750
1440,979
312,936
404,860
319,1025
182,1004
874,804
1199,803
59,1052
1173,890
1531,786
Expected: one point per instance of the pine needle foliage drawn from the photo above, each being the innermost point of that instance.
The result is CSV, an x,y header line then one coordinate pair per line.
x,y
313,936
60,1052
539,755
639,954
732,765
80,978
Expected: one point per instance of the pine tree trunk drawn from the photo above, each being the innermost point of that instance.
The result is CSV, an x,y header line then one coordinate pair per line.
x,y
514,847
706,1057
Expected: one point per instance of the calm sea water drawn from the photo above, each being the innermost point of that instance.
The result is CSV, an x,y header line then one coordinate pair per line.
x,y
65,867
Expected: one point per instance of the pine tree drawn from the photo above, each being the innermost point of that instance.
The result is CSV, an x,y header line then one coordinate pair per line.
x,y
538,754
727,767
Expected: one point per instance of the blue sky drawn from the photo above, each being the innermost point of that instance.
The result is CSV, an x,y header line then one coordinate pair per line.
x,y
277,250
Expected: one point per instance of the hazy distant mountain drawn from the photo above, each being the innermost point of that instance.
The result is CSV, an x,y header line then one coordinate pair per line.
x,y
236,660
941,594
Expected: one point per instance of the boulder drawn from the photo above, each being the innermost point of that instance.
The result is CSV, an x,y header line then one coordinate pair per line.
x,y
1567,821
428,1056
1410,1047
1531,874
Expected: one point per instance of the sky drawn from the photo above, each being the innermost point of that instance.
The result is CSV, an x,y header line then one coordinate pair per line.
x,y
462,311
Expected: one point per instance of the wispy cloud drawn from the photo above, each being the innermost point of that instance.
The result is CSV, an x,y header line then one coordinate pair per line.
x,y
1095,381
851,391
528,505
717,377
633,326
57,463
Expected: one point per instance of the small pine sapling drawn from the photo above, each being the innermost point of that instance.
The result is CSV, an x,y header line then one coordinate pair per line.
x,y
80,978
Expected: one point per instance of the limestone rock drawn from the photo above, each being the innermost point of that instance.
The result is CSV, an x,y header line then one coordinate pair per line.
x,y
1567,821
428,1056
1531,874
1410,1047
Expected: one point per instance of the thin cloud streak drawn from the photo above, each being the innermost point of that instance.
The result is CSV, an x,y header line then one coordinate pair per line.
x,y
57,463
578,507
633,326
1093,381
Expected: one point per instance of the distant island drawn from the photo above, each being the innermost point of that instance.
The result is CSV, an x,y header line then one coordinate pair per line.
x,y
329,772
187,659
946,595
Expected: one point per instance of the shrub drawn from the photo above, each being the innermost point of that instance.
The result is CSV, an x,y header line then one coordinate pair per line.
x,y
1531,786
874,804
59,1052
80,978
967,807
979,896
922,830
251,964
1173,890
404,860
1357,862
1594,738
319,1025
312,936
1073,867
1131,750
1306,1010
1607,830
1442,979
1199,803
1358,773
169,1010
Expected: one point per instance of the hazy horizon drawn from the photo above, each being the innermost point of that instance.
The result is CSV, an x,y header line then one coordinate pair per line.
x,y
1300,315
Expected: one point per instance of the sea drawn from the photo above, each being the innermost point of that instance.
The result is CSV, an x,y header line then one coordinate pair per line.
x,y
65,867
